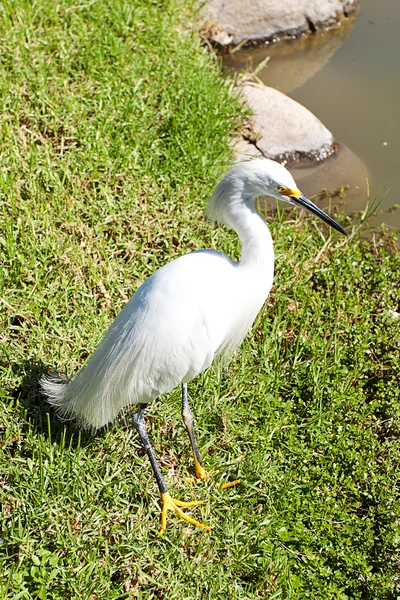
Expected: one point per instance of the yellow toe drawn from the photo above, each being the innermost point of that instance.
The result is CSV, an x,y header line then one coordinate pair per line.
x,y
229,484
184,504
169,503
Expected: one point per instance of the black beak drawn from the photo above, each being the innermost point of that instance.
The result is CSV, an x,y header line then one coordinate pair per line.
x,y
310,206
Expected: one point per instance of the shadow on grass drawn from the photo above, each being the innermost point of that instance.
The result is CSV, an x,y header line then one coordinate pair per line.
x,y
37,412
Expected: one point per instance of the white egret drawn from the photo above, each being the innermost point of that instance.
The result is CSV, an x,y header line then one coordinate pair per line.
x,y
193,309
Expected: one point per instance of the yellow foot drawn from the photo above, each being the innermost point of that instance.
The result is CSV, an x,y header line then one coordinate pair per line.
x,y
202,475
169,503
200,471
229,484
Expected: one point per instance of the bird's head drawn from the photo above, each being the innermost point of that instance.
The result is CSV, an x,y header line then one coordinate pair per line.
x,y
260,177
269,178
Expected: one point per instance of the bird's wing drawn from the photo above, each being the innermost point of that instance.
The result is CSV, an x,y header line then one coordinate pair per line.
x,y
167,333
184,320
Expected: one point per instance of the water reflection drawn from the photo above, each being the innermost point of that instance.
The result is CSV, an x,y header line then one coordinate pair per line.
x,y
291,62
344,169
349,79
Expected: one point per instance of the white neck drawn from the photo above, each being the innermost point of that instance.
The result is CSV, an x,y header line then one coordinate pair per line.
x,y
254,234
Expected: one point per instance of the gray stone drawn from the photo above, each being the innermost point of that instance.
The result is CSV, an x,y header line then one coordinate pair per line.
x,y
234,21
244,150
291,62
284,129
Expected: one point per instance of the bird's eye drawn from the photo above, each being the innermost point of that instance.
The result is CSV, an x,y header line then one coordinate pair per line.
x,y
281,189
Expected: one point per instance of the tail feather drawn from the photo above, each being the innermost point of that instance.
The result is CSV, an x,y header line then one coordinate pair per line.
x,y
56,389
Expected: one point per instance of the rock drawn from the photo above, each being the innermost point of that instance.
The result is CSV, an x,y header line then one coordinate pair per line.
x,y
237,20
291,62
284,129
244,150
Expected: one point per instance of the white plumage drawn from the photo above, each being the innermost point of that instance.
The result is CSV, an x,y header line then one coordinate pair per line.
x,y
192,309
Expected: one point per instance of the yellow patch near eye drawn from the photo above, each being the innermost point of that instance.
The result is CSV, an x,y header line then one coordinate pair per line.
x,y
295,193
285,191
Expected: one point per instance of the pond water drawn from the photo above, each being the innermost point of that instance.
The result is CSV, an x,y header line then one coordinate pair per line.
x,y
350,79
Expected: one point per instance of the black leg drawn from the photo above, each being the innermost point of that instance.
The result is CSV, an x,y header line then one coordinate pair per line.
x,y
187,417
138,419
168,503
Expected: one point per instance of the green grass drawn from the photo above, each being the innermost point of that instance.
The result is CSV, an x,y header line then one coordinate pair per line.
x,y
115,128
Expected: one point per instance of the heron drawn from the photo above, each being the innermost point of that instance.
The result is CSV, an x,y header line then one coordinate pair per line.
x,y
193,309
